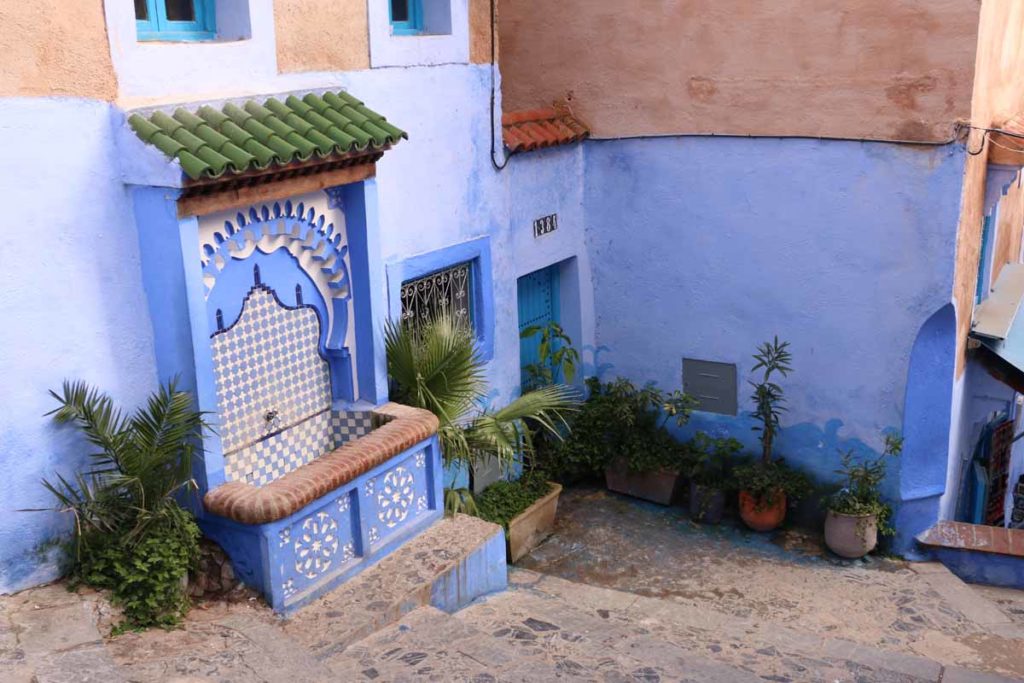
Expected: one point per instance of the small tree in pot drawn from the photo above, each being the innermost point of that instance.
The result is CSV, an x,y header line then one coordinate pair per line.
x,y
766,485
856,513
709,475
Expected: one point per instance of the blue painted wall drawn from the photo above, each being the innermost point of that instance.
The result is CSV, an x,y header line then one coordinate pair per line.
x,y
71,306
73,298
709,245
547,182
704,247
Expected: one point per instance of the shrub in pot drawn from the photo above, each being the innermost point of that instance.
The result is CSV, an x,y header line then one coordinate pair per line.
x,y
709,475
765,491
648,465
619,433
856,513
437,365
525,507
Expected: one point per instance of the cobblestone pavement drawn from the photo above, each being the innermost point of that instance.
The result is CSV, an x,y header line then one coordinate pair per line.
x,y
622,592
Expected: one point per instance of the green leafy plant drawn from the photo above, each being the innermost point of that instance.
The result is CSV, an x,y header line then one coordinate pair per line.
x,y
710,460
557,357
861,493
769,402
130,533
620,420
502,501
437,366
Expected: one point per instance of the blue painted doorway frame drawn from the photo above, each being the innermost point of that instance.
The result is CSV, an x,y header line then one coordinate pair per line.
x,y
538,295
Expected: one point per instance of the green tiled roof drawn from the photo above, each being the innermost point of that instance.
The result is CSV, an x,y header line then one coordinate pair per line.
x,y
250,136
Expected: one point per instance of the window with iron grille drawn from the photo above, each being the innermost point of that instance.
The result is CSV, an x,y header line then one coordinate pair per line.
x,y
446,291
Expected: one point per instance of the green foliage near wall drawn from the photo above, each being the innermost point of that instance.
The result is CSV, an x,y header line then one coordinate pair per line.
x,y
131,536
502,501
438,366
620,420
862,482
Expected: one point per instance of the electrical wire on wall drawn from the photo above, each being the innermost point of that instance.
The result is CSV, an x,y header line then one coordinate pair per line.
x,y
987,134
494,87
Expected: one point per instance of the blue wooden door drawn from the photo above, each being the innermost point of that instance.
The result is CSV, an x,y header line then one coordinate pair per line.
x,y
538,305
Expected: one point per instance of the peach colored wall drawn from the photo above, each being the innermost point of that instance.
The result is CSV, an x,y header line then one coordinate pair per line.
x,y
55,48
1008,234
893,69
998,97
314,35
480,31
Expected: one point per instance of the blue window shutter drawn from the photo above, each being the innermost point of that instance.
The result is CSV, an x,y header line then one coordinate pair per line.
x,y
158,26
412,23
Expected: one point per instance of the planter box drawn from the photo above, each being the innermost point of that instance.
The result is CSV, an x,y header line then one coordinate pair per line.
x,y
532,525
660,486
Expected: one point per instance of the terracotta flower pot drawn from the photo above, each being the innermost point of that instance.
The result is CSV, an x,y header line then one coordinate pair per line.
x,y
851,536
659,486
759,515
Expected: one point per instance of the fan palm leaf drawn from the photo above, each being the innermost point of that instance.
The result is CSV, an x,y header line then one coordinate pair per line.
x,y
438,367
143,461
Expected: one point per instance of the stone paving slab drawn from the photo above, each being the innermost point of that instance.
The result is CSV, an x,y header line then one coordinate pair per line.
x,y
956,674
91,664
546,627
783,580
964,598
639,632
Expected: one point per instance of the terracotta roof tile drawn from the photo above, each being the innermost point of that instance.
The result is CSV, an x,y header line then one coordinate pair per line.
x,y
532,129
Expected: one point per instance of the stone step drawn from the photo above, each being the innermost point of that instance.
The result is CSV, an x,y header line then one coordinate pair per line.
x,y
638,638
513,636
447,566
618,624
546,628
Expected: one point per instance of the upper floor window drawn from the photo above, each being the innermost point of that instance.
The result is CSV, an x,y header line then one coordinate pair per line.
x,y
406,17
175,19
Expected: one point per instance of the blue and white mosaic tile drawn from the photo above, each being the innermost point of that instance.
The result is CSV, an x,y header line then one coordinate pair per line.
x,y
274,392
268,370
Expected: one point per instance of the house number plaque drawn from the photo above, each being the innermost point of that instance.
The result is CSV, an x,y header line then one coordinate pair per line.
x,y
545,224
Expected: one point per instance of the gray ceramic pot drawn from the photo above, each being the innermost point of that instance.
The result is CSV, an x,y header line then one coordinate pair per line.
x,y
851,536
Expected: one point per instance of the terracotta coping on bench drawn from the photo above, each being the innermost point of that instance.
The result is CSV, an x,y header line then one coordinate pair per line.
x,y
248,504
978,537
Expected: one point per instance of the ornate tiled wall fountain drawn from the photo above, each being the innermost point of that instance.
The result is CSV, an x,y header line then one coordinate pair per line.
x,y
316,483
271,310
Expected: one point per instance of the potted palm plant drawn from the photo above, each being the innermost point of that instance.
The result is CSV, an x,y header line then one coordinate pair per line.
x,y
766,485
856,513
437,366
709,475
